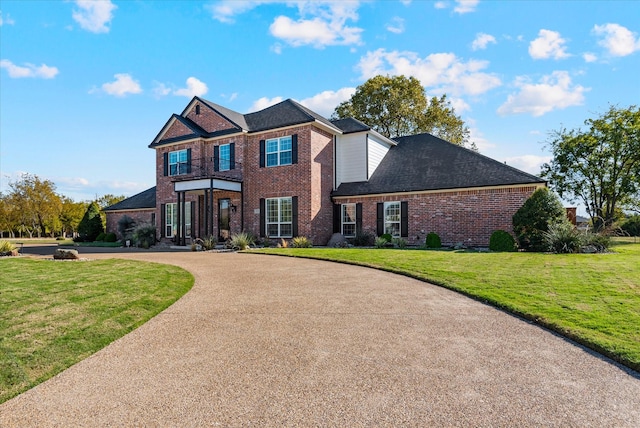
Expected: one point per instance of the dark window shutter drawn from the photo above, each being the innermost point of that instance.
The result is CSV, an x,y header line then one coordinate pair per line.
x,y
163,222
216,159
188,161
380,219
294,215
358,218
232,156
165,162
263,217
262,153
337,217
294,148
404,219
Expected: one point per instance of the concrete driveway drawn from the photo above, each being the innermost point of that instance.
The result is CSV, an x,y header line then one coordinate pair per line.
x,y
276,341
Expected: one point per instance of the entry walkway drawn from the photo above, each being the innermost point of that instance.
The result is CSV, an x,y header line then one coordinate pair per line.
x,y
276,341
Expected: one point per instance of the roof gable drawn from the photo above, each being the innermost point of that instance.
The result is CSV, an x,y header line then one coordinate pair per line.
x,y
425,162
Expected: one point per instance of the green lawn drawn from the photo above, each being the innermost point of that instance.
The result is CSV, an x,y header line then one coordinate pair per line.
x,y
54,314
591,298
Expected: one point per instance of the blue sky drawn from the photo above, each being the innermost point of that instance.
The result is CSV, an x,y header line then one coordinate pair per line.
x,y
85,86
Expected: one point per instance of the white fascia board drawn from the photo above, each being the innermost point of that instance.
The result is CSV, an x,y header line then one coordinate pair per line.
x,y
207,183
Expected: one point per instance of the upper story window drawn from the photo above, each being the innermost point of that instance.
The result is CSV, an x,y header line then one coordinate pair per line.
x,y
178,162
225,157
278,151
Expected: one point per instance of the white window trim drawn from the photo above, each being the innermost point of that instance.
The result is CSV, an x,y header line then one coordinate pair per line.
x,y
280,223
388,222
343,222
172,220
278,151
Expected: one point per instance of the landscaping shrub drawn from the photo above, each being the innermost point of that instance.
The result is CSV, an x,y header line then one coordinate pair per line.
x,y
631,225
241,241
301,242
100,237
562,237
208,242
91,224
144,235
598,241
7,248
387,237
110,237
533,219
433,240
363,239
502,240
380,242
126,226
399,243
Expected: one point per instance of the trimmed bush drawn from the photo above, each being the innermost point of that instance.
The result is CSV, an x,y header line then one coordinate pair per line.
x,y
91,224
301,242
502,240
100,238
387,237
533,219
433,240
363,239
110,237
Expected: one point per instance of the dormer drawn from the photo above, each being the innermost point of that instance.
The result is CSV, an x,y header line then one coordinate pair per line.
x,y
359,151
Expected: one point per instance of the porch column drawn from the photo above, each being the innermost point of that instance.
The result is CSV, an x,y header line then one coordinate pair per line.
x,y
183,225
177,227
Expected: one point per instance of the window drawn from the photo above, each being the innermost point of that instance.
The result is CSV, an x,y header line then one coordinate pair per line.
x,y
278,151
279,218
178,162
171,219
224,162
392,218
349,220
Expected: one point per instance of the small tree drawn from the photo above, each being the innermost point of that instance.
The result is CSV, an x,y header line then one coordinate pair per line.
x,y
533,219
91,224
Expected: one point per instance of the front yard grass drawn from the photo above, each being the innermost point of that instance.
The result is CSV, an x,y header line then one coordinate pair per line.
x,y
593,299
54,314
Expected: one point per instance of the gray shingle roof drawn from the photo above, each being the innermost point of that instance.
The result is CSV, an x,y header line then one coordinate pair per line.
x,y
145,199
425,162
350,125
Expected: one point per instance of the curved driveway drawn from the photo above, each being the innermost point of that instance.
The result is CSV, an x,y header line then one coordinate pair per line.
x,y
277,341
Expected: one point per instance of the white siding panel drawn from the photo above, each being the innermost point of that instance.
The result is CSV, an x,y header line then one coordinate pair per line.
x,y
351,158
377,150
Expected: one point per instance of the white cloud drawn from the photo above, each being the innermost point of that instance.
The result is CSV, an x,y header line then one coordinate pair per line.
x,y
28,70
94,15
616,39
443,72
195,88
554,92
549,44
6,20
482,40
466,6
476,136
440,5
122,86
528,163
325,102
160,89
326,26
396,25
264,102
589,57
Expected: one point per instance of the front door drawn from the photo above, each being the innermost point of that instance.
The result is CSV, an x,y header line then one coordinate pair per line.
x,y
223,219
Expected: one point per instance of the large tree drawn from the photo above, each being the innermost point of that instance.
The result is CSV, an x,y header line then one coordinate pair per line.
x,y
599,166
36,205
396,106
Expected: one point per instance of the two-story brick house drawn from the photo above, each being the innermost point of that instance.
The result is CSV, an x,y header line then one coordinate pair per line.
x,y
286,171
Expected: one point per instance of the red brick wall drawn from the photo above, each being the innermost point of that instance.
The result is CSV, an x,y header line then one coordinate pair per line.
x,y
139,216
467,216
208,119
